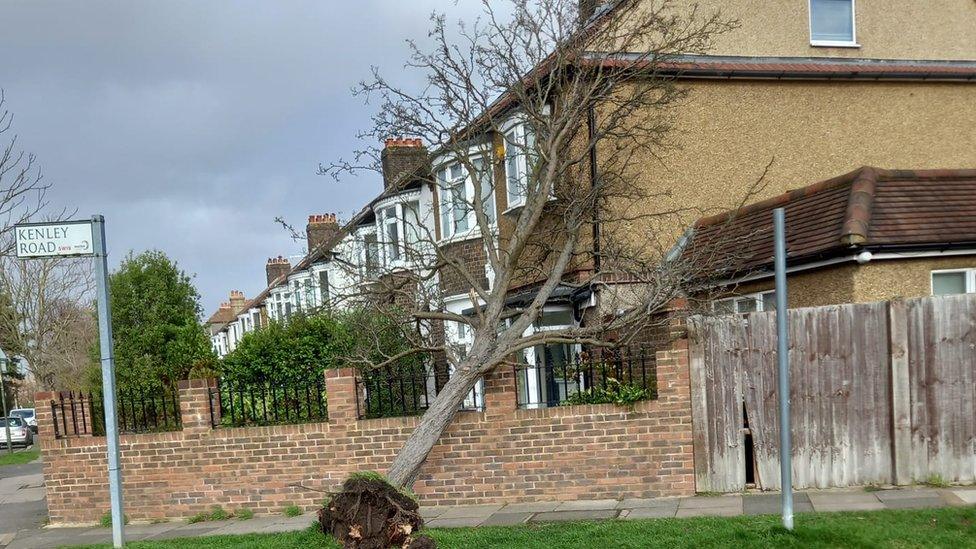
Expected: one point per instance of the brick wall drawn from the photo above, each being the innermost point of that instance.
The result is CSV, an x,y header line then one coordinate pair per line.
x,y
499,455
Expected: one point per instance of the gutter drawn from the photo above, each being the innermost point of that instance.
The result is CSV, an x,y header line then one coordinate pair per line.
x,y
862,257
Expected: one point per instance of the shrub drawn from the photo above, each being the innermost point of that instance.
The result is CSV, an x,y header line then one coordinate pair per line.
x,y
615,392
293,511
244,514
217,513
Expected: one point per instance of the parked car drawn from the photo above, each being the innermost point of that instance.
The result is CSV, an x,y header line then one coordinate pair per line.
x,y
20,433
27,414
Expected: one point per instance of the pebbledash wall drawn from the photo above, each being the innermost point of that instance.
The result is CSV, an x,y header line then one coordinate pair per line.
x,y
502,454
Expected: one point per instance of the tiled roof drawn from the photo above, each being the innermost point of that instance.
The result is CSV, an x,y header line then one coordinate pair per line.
x,y
868,209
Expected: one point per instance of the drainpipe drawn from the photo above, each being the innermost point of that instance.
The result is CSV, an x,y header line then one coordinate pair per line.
x,y
591,124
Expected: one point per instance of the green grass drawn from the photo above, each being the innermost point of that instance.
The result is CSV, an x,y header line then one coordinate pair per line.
x,y
106,520
244,514
950,527
292,511
18,458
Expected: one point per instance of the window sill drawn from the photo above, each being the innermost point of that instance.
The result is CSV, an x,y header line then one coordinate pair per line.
x,y
833,44
470,234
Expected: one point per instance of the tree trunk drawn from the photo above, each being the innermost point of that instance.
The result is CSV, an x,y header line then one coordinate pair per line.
x,y
405,468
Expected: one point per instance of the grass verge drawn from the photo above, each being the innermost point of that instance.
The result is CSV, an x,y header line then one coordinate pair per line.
x,y
17,458
950,527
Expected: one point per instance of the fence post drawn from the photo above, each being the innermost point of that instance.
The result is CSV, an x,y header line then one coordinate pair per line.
x,y
340,389
195,405
901,418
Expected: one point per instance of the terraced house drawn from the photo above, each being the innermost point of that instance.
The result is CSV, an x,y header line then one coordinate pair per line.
x,y
801,91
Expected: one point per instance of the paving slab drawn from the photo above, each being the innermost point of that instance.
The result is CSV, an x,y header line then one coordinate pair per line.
x,y
470,511
651,512
641,503
915,503
892,495
530,507
507,519
828,502
593,514
187,531
463,522
708,512
720,502
249,526
771,504
588,505
968,496
433,511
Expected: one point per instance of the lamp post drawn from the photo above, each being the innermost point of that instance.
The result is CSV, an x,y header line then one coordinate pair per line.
x,y
3,400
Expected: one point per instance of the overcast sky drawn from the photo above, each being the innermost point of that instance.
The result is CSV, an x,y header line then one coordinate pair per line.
x,y
191,125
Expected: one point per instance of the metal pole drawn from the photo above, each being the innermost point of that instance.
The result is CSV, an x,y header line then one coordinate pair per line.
x,y
3,402
783,362
108,380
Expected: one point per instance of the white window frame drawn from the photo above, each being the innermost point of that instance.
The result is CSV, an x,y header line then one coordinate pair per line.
x,y
970,279
755,296
445,190
834,43
521,166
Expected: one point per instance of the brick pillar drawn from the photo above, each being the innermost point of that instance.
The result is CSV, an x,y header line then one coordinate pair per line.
x,y
500,391
340,387
45,419
195,405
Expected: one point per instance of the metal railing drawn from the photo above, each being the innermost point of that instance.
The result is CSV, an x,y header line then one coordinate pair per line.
x,y
406,390
138,411
264,402
618,375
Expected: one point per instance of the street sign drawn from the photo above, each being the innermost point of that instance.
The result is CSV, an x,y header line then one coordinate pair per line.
x,y
58,239
87,239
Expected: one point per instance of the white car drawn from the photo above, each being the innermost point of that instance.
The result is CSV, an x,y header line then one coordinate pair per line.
x,y
20,433
27,414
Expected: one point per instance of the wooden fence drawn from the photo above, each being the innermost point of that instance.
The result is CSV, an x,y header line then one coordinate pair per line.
x,y
881,393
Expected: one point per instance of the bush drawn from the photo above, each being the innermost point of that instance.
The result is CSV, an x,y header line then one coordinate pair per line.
x,y
106,520
293,511
615,392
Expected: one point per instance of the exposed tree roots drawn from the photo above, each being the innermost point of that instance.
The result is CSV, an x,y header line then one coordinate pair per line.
x,y
369,513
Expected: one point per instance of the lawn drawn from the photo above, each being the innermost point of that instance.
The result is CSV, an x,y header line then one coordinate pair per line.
x,y
17,458
952,527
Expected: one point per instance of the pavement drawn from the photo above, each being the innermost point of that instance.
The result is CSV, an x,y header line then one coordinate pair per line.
x,y
23,511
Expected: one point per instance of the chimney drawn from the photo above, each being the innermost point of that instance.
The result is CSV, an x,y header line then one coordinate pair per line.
x,y
401,156
586,10
276,268
237,301
320,229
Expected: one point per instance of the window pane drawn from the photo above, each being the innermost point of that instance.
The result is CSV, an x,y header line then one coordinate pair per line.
x,y
514,169
460,206
724,307
832,20
769,301
948,283
411,224
745,305
487,189
324,287
393,240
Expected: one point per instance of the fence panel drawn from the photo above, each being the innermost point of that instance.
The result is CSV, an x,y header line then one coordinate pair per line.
x,y
138,411
404,390
620,375
237,403
941,365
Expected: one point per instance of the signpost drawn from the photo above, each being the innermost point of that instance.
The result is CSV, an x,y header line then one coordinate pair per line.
x,y
783,362
3,401
87,239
